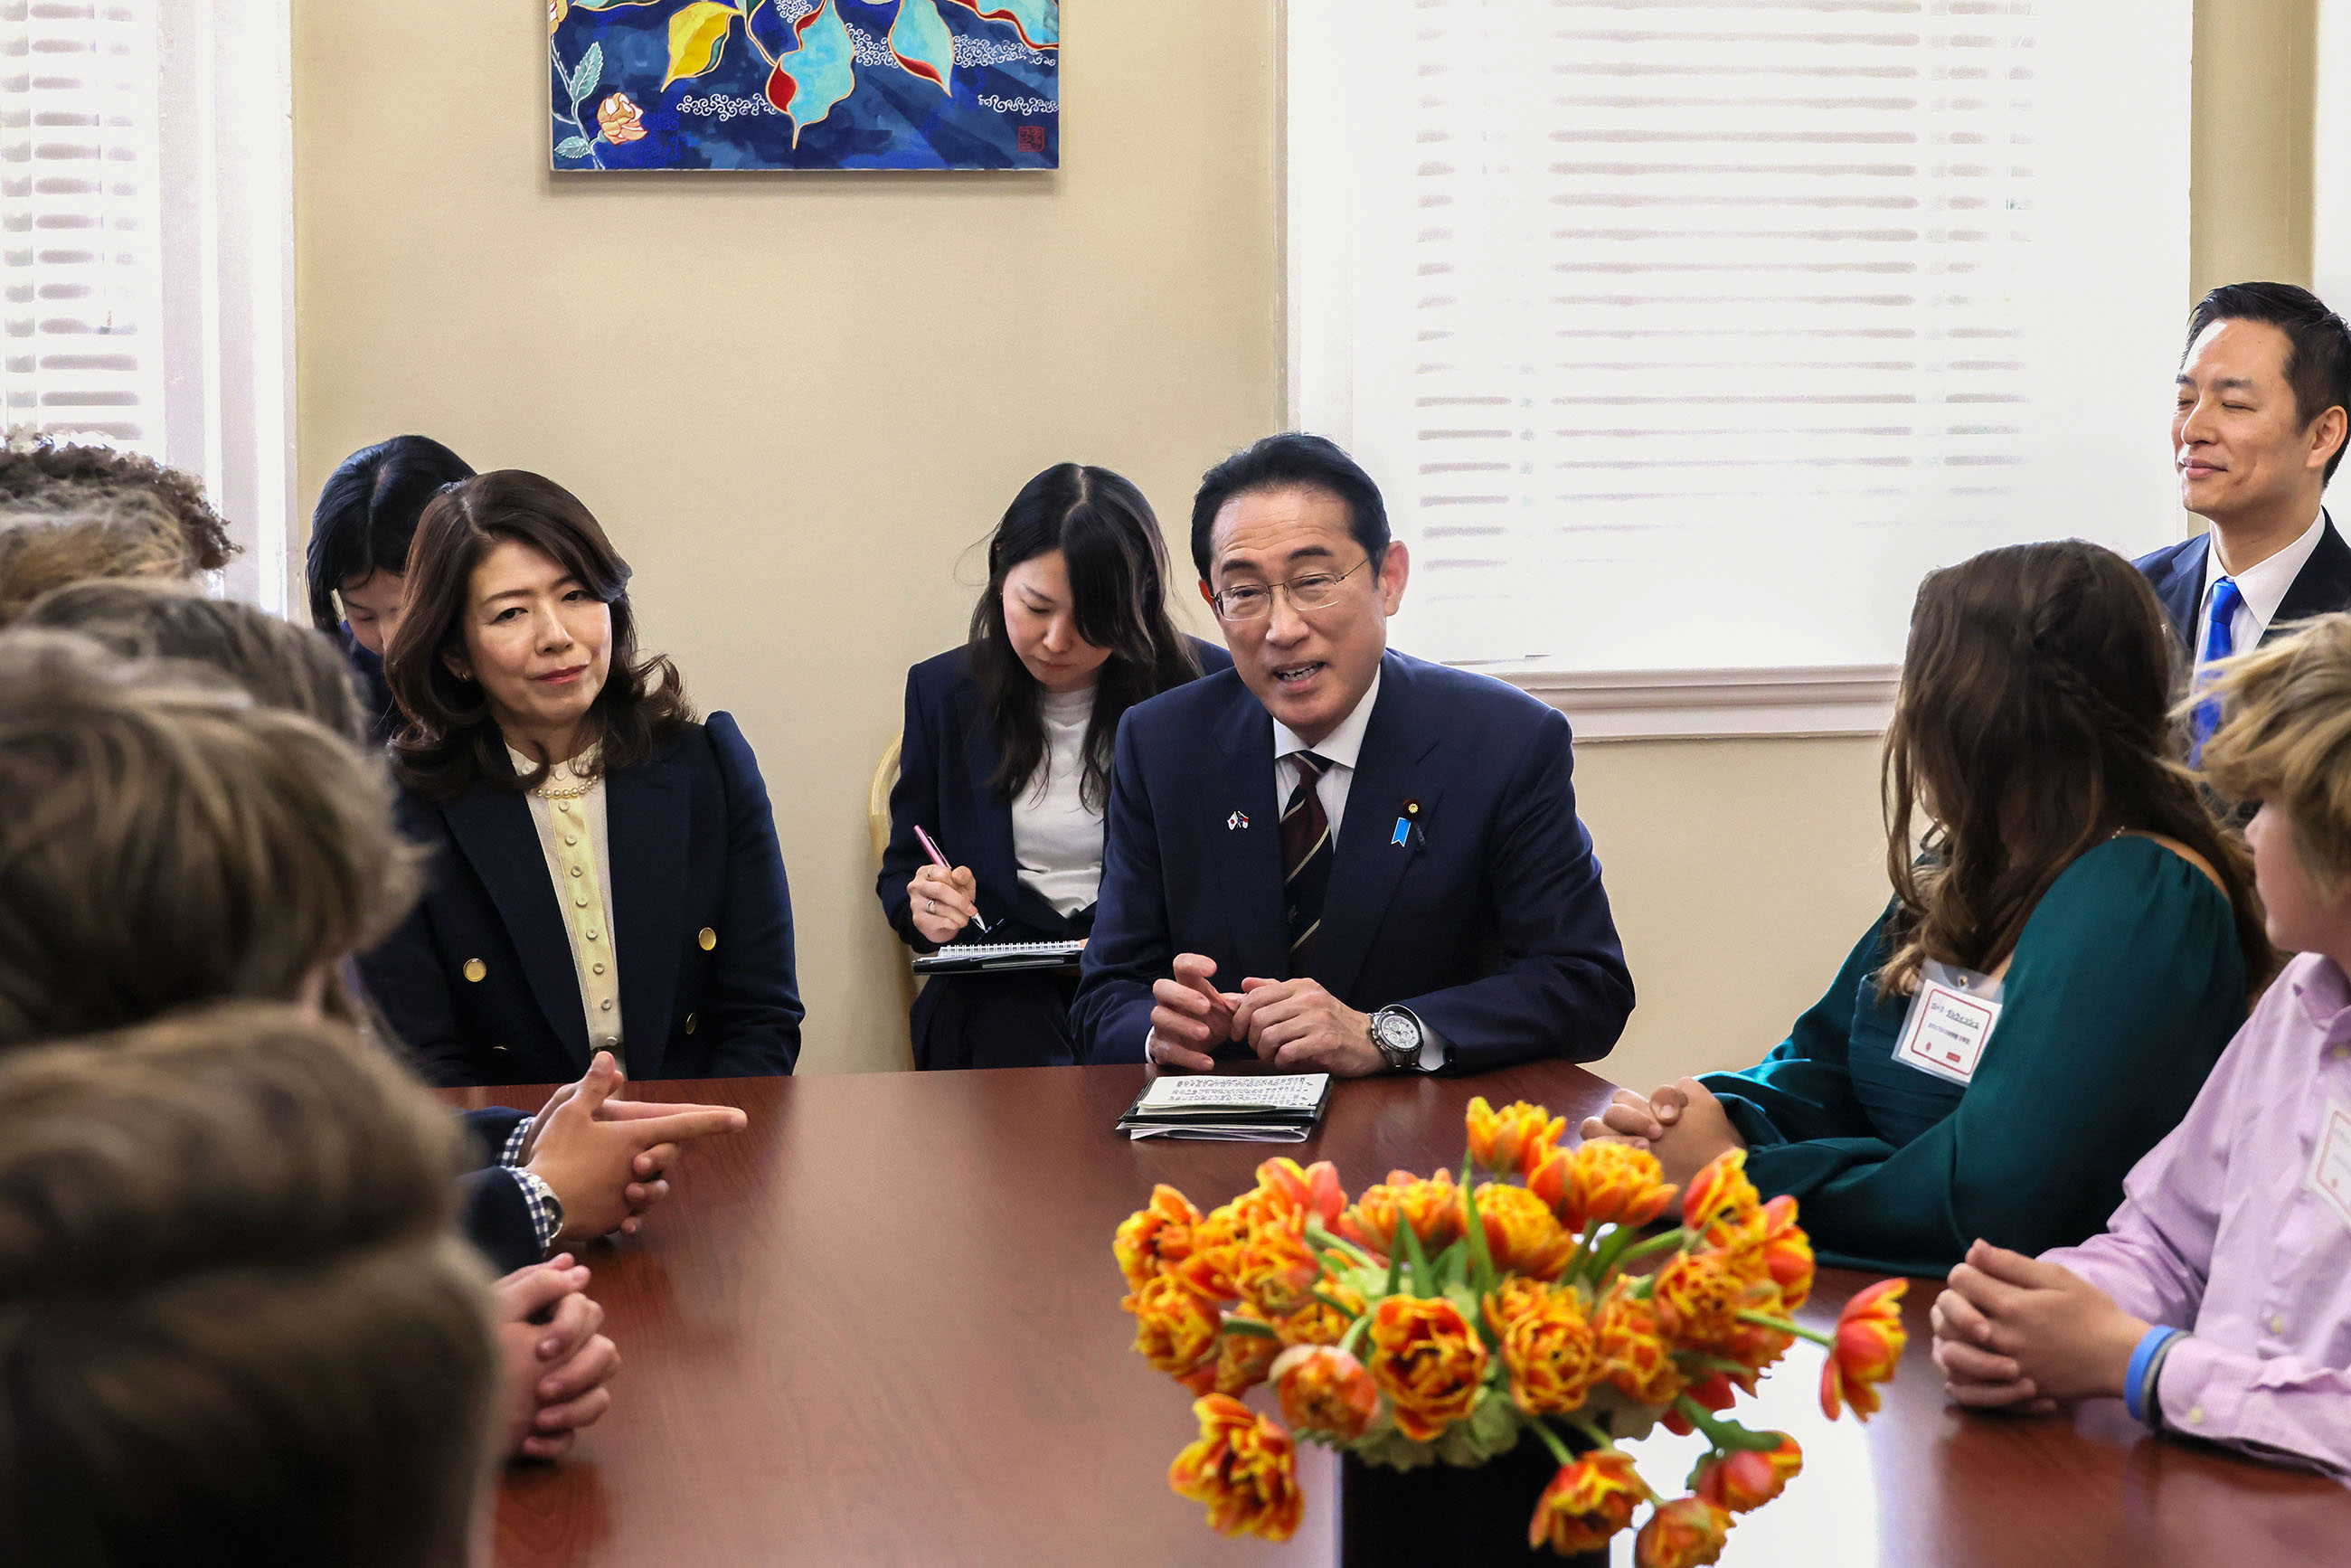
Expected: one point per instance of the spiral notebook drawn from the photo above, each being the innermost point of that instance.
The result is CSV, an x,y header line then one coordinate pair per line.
x,y
977,957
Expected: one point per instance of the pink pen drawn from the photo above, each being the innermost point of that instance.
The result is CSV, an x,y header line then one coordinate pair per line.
x,y
931,848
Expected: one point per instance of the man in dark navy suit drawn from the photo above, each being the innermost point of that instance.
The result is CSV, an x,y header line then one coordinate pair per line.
x,y
2263,390
1381,855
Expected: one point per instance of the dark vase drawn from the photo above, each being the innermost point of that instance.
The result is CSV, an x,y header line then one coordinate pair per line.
x,y
1436,1516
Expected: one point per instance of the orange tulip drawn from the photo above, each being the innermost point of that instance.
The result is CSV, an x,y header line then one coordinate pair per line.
x,y
1151,1239
1586,1504
1319,1323
1787,1253
1520,1234
1431,1207
1325,1390
1602,1184
1868,1347
1683,1534
1632,1350
1244,1360
1429,1361
1512,1297
1221,1242
1745,1480
1697,1297
620,120
1244,1466
1175,1327
1720,1190
1514,1139
1277,1273
1553,1354
1313,1191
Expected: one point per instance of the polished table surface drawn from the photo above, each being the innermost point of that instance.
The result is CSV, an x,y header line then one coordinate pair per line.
x,y
882,1327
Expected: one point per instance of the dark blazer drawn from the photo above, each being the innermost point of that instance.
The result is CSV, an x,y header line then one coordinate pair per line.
x,y
1490,922
701,919
491,1208
384,715
948,753
2322,586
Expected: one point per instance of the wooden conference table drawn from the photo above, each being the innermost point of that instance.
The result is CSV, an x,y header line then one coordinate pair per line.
x,y
882,1327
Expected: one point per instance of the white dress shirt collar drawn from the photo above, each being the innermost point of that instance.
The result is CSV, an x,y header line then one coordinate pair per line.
x,y
1342,745
2263,585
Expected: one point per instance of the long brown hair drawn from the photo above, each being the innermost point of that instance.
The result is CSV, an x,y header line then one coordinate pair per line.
x,y
452,743
1110,542
2033,723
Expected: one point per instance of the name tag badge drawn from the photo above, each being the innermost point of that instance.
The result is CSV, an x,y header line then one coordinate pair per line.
x,y
2330,1168
1950,1019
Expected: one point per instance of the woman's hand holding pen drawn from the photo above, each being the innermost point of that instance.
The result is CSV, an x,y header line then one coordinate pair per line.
x,y
942,902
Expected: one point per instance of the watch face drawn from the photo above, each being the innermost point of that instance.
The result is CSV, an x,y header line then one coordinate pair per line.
x,y
1397,1034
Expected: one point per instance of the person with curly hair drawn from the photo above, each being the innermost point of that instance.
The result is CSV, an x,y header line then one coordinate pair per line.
x,y
40,474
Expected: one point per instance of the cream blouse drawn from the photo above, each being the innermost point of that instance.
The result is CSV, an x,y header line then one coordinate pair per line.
x,y
570,813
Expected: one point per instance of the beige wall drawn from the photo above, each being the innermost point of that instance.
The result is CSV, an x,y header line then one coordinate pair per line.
x,y
796,401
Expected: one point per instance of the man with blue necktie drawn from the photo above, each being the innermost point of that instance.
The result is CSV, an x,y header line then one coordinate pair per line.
x,y
2263,391
1381,856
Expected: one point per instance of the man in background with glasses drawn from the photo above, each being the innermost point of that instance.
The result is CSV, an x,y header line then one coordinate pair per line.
x,y
1334,856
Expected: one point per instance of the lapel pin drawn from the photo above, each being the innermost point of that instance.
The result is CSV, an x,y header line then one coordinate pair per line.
x,y
1403,834
1237,820
1412,810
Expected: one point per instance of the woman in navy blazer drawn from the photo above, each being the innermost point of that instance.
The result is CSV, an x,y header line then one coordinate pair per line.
x,y
542,753
1005,758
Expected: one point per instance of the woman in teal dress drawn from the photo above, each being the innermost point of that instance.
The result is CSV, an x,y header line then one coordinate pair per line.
x,y
2064,855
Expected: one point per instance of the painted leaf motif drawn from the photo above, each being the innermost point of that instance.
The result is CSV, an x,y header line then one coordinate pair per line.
x,y
807,82
1039,21
697,37
923,44
571,146
590,72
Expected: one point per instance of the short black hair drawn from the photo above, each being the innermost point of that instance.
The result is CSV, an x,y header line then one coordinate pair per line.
x,y
1291,460
2318,344
367,514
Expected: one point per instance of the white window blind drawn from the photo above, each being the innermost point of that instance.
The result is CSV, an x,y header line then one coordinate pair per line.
x,y
146,246
1686,335
79,223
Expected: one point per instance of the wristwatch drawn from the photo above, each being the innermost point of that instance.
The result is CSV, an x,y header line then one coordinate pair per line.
x,y
1398,1035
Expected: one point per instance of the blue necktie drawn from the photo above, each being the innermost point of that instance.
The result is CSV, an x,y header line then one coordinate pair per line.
x,y
2219,644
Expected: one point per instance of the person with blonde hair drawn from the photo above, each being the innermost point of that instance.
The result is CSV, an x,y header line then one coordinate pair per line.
x,y
236,1323
167,841
2217,1302
109,536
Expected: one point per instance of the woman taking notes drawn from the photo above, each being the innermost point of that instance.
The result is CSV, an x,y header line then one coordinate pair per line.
x,y
1005,762
2057,972
605,874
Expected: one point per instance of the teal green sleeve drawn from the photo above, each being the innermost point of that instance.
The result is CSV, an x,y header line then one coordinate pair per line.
x,y
1802,1090
2128,983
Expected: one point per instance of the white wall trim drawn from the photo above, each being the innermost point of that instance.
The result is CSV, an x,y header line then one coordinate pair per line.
x,y
1707,705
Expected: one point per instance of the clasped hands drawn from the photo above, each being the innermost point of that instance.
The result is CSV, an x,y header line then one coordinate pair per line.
x,y
1682,1124
2014,1332
1293,1024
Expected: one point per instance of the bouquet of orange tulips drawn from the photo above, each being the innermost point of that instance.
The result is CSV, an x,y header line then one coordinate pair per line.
x,y
1443,1320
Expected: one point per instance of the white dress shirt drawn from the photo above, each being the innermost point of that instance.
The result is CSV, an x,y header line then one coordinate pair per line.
x,y
2263,587
1338,748
578,848
1057,838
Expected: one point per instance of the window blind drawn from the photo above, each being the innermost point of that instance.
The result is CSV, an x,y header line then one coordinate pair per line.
x,y
1688,334
81,266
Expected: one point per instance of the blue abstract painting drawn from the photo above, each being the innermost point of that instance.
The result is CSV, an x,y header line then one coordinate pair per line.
x,y
804,84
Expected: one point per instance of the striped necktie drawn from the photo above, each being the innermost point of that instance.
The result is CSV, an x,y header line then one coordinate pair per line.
x,y
1305,859
2219,641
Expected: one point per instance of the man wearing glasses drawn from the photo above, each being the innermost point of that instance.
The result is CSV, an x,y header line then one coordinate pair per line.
x,y
1379,856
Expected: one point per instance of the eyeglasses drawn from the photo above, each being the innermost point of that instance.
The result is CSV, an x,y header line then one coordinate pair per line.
x,y
1254,601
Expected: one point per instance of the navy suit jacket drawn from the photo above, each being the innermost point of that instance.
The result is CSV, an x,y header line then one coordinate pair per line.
x,y
491,1208
2321,587
1490,922
947,756
384,715
693,852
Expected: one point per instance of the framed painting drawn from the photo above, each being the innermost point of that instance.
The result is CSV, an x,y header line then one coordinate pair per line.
x,y
804,84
